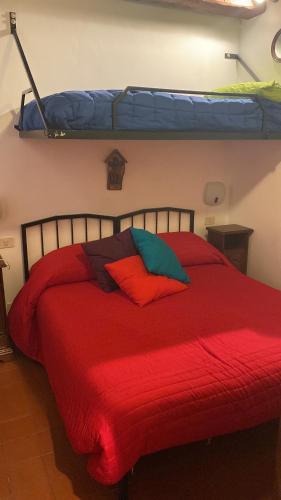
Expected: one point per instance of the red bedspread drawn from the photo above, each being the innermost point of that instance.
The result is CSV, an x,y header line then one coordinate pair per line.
x,y
130,381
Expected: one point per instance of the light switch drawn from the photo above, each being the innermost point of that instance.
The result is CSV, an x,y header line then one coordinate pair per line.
x,y
210,221
7,242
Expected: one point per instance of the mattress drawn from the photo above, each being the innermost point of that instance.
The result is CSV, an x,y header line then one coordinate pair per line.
x,y
145,110
130,381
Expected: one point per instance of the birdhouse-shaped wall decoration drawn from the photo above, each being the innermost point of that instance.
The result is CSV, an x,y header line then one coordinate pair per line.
x,y
115,170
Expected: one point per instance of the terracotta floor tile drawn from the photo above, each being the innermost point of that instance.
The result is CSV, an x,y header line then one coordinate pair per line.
x,y
2,460
40,400
72,481
29,481
13,376
8,366
13,407
23,426
45,442
34,445
61,484
5,489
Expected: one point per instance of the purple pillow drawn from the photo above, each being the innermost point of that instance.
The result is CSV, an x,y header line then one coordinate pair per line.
x,y
106,250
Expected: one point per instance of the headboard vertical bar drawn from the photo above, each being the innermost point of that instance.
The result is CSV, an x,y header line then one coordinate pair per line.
x,y
24,252
144,220
100,228
116,225
72,232
180,221
86,229
156,222
42,240
57,234
168,222
191,222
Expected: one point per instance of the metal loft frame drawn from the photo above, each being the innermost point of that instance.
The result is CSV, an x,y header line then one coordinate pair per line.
x,y
49,132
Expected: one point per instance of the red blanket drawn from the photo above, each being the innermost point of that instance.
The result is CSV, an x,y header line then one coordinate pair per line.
x,y
130,381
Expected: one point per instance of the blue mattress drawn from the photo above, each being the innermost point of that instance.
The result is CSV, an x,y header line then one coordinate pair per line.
x,y
145,110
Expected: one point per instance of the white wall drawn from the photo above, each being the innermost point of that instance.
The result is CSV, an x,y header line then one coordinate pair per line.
x,y
255,43
256,170
256,203
106,44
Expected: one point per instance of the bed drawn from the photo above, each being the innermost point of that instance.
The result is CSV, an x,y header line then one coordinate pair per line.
x,y
201,363
149,110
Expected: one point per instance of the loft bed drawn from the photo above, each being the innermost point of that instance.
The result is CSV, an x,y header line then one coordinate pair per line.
x,y
143,113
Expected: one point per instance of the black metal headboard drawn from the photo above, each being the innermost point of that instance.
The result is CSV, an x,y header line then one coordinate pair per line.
x,y
94,226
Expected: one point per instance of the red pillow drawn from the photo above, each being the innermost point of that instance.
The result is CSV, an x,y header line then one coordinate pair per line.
x,y
192,250
64,265
140,285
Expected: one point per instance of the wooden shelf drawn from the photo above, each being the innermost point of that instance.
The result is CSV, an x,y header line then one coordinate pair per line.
x,y
222,7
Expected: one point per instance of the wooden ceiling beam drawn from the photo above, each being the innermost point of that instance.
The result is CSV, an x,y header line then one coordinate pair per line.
x,y
235,8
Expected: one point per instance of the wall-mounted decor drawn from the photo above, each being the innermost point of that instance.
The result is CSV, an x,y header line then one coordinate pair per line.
x,y
115,170
244,9
276,47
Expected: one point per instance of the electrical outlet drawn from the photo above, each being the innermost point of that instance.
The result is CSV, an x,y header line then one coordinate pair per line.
x,y
7,242
210,220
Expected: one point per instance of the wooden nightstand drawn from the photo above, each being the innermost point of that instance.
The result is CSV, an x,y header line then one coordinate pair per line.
x,y
232,240
6,350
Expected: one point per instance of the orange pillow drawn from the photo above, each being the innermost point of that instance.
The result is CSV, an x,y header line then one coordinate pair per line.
x,y
140,285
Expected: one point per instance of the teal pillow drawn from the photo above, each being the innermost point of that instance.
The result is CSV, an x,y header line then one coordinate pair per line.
x,y
158,257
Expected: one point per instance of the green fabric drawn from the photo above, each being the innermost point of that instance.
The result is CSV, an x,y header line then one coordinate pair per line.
x,y
157,256
268,90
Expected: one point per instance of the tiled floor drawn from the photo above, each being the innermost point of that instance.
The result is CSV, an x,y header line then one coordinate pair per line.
x,y
37,463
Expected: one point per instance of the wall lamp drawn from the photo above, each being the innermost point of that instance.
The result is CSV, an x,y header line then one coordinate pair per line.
x,y
214,193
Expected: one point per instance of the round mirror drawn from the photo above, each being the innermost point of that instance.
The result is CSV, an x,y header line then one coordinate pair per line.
x,y
276,47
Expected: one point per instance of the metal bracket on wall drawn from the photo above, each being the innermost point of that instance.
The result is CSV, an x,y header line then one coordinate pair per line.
x,y
13,22
13,27
230,55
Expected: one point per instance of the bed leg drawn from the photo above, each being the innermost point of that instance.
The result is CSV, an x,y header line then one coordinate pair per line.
x,y
123,490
